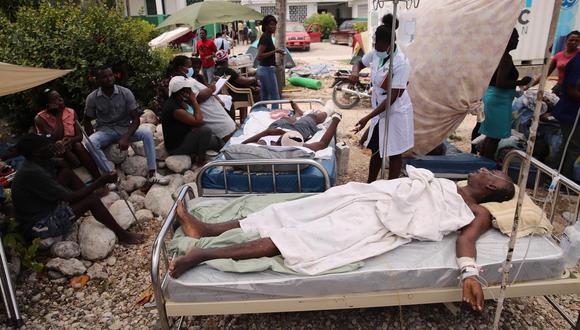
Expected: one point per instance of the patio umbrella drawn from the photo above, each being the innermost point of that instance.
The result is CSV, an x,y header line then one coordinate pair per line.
x,y
16,78
209,12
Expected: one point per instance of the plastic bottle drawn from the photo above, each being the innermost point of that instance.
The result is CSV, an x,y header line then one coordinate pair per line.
x,y
570,244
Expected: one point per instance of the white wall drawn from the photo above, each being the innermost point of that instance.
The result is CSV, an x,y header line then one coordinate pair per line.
x,y
135,6
172,6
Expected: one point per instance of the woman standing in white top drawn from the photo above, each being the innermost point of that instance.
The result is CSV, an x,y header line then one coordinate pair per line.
x,y
400,130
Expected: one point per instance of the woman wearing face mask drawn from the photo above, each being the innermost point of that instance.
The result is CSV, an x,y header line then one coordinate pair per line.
x,y
184,132
179,66
400,131
59,122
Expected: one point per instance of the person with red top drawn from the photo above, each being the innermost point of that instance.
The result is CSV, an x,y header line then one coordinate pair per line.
x,y
562,58
59,122
206,50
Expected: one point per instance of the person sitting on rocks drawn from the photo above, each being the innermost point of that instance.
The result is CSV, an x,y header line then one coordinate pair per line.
x,y
180,66
46,203
60,123
215,115
115,109
184,131
295,131
196,66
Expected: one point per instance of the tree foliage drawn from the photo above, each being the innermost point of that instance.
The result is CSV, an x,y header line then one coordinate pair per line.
x,y
360,26
68,37
326,21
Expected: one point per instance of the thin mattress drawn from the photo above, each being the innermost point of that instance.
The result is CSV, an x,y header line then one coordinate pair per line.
x,y
411,266
311,179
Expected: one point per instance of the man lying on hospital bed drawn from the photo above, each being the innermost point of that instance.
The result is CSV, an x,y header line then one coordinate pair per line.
x,y
297,130
356,221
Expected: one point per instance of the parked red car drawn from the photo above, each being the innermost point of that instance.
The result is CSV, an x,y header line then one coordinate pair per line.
x,y
344,34
296,36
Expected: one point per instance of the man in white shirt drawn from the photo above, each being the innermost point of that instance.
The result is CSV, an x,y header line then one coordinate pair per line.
x,y
221,43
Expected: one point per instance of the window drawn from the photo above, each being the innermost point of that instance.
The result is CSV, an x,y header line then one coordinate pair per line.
x,y
298,13
268,10
363,11
151,7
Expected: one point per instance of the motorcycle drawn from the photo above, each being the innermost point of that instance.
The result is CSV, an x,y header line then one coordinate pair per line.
x,y
346,95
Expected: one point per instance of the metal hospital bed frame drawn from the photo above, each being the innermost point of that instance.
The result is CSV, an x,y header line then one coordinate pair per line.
x,y
247,164
569,284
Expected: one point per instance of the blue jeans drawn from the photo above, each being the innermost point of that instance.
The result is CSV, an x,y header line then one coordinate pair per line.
x,y
268,84
101,139
208,73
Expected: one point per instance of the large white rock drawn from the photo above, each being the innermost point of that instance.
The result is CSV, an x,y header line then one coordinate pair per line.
x,y
188,176
65,250
69,267
149,117
178,163
159,200
132,183
136,165
152,128
122,214
115,154
138,148
96,240
144,215
175,181
138,201
160,152
110,198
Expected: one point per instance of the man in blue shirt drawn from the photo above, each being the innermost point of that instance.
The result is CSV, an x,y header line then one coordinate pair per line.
x,y
566,112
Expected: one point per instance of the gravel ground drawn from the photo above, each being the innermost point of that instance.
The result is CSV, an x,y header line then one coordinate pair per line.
x,y
53,304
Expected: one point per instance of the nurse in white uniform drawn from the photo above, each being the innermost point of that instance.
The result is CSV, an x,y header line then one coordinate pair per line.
x,y
400,130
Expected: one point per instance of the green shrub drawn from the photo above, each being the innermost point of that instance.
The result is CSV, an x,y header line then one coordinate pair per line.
x,y
326,21
360,26
65,37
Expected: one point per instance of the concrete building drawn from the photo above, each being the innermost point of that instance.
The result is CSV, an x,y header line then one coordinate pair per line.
x,y
299,10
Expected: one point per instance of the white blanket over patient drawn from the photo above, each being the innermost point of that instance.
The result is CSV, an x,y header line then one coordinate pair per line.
x,y
356,221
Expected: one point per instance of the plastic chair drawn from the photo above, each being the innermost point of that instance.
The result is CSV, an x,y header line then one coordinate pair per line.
x,y
242,105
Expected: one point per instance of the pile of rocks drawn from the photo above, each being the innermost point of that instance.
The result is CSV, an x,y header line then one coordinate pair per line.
x,y
89,242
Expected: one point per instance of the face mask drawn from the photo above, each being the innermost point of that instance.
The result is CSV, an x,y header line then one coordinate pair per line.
x,y
382,55
189,73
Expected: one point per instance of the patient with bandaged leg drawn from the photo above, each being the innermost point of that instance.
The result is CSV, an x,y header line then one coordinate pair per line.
x,y
356,221
297,130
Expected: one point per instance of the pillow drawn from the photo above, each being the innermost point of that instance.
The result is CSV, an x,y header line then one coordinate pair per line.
x,y
532,220
250,152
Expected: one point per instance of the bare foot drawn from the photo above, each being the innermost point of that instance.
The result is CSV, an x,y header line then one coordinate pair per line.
x,y
190,225
179,265
473,294
129,238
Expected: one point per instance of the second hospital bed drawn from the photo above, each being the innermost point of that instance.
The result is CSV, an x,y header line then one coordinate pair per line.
x,y
309,175
416,273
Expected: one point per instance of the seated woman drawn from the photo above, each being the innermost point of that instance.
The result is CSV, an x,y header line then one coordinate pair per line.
x,y
60,123
179,66
295,131
184,131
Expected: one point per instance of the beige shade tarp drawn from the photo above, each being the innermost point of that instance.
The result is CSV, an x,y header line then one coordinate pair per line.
x,y
457,48
16,78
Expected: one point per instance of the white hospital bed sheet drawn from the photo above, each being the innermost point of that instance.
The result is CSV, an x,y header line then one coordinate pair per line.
x,y
415,265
